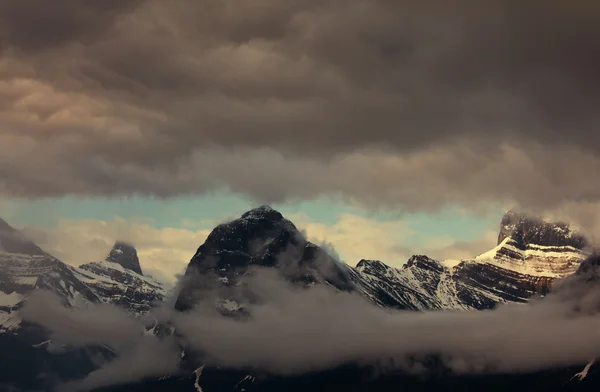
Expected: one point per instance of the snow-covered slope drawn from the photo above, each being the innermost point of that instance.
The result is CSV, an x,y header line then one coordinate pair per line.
x,y
530,256
119,279
519,267
508,273
25,267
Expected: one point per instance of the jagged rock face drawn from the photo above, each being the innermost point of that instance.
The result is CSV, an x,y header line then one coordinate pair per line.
x,y
119,280
506,274
120,286
20,274
125,255
532,246
413,287
427,284
261,237
25,267
531,255
526,230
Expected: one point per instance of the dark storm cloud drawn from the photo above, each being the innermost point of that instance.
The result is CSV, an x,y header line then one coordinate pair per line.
x,y
32,25
130,96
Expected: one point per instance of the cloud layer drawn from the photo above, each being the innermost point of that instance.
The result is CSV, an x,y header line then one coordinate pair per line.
x,y
165,252
462,103
293,330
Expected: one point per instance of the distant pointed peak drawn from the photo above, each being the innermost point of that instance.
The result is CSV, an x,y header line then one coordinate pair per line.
x,y
263,212
126,256
13,241
424,262
365,262
371,266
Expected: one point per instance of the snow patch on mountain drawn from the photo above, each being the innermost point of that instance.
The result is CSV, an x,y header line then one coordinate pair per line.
x,y
535,260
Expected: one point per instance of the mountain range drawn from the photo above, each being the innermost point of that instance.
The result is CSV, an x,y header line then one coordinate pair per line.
x,y
530,256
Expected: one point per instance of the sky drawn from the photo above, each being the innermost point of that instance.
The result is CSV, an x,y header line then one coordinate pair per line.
x,y
384,128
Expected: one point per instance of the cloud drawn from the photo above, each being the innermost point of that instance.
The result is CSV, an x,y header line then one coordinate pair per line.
x,y
163,252
149,358
444,248
27,26
101,324
354,238
280,101
300,330
138,355
310,330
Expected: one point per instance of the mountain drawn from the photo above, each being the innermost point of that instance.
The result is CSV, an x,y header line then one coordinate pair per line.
x,y
25,267
261,237
126,256
118,279
530,256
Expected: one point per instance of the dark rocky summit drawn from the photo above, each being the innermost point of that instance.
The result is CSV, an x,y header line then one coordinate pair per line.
x,y
261,237
126,255
525,230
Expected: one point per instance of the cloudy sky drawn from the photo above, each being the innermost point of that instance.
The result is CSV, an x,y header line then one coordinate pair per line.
x,y
383,127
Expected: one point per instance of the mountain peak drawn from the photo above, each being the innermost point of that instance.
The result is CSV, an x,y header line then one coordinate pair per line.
x,y
527,229
424,262
13,241
263,212
125,255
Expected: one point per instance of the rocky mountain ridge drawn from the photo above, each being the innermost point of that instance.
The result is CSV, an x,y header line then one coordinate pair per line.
x,y
24,268
530,256
119,280
519,267
508,273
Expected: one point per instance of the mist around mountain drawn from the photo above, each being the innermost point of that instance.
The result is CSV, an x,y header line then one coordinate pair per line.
x,y
260,306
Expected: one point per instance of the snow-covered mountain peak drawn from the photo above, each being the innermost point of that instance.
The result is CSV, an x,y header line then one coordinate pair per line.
x,y
126,256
